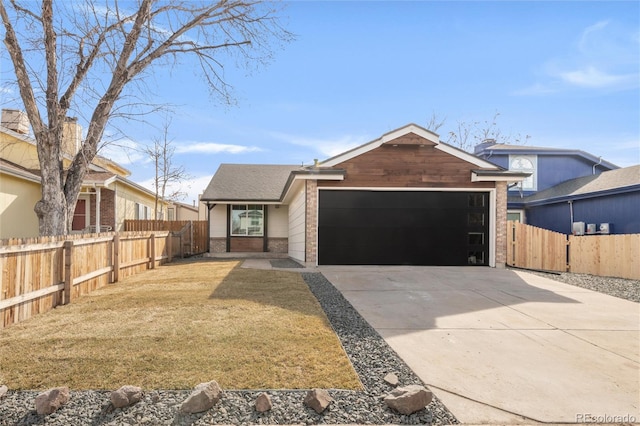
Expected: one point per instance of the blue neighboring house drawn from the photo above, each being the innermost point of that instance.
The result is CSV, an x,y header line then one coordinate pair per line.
x,y
567,186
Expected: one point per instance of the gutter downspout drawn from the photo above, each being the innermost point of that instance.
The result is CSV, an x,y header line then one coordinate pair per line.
x,y
593,172
571,215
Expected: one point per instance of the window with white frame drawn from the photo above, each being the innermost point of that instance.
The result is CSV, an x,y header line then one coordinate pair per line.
x,y
247,220
528,164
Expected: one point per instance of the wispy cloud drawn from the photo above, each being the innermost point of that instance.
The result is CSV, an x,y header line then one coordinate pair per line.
x,y
604,58
213,148
592,77
326,146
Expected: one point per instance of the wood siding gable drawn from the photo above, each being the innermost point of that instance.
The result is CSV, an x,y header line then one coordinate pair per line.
x,y
408,161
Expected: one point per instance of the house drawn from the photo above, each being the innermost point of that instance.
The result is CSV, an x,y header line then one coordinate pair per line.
x,y
106,199
610,198
568,186
181,211
404,198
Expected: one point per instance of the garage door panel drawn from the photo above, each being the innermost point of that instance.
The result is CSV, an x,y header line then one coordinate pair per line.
x,y
398,228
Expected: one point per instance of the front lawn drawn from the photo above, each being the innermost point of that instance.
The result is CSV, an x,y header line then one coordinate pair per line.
x,y
180,325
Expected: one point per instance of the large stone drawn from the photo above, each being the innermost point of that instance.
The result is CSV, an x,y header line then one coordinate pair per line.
x,y
205,396
125,396
3,391
263,403
409,399
49,401
318,399
391,379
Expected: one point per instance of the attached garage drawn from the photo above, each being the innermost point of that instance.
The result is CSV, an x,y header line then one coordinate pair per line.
x,y
365,227
403,199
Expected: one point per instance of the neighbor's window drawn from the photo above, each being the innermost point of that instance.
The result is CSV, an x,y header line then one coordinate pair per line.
x,y
247,220
525,163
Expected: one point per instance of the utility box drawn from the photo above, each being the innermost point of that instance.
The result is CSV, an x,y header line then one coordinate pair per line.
x,y
591,228
578,228
605,228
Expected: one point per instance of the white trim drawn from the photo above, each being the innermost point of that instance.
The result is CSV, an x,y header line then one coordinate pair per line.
x,y
20,174
496,178
319,176
404,188
415,129
492,209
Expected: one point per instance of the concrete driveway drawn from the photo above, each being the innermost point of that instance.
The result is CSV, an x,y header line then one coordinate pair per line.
x,y
499,346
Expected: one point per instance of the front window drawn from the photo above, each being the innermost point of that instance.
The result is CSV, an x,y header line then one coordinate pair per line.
x,y
247,220
528,164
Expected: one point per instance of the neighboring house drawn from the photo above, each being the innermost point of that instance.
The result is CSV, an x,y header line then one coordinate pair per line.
x,y
181,211
611,198
106,199
568,186
404,198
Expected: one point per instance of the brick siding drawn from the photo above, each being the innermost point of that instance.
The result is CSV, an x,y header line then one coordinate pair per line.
x,y
311,249
278,245
501,224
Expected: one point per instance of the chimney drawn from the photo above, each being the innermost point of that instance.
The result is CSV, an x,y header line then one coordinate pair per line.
x,y
484,145
71,136
15,120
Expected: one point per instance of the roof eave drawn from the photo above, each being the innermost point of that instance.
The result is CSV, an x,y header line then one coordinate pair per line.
x,y
498,176
581,196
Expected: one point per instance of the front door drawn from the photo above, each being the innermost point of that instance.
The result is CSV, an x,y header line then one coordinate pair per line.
x,y
80,215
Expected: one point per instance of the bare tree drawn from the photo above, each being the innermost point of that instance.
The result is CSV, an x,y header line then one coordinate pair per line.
x,y
167,173
70,57
467,134
435,122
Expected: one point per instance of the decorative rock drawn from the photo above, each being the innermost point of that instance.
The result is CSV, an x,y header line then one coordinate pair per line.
x,y
205,396
409,399
263,403
49,401
391,379
318,399
126,396
3,390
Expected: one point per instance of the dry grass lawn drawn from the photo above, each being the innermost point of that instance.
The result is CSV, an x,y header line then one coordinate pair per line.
x,y
180,325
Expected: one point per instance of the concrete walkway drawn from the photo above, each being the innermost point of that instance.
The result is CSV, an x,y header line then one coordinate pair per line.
x,y
504,347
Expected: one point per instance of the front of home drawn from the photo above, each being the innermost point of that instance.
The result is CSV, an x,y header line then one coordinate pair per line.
x,y
403,199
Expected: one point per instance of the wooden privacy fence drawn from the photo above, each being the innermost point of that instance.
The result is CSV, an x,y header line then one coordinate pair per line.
x,y
39,274
605,255
192,233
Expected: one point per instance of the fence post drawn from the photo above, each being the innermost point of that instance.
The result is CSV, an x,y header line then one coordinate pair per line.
x,y
191,232
152,250
169,246
116,258
68,279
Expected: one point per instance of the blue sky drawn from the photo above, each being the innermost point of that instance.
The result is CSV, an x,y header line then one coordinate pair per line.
x,y
565,73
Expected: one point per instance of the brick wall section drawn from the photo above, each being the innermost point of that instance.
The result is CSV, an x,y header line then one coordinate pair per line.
x,y
311,215
278,245
501,224
107,208
218,245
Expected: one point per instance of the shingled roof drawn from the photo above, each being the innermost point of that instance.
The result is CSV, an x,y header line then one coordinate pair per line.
x,y
618,179
248,182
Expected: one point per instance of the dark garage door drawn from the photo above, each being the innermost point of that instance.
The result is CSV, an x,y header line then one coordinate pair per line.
x,y
403,228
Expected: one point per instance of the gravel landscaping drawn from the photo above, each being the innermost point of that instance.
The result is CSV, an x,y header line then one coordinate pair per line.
x,y
372,359
617,287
